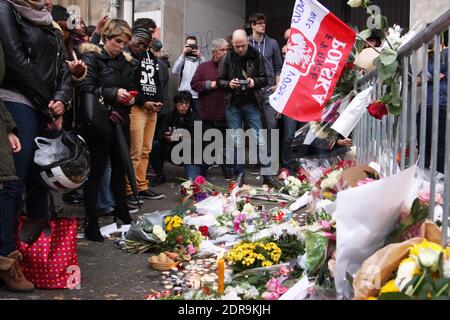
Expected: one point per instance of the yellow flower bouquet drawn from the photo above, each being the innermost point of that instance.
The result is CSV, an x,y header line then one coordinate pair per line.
x,y
248,255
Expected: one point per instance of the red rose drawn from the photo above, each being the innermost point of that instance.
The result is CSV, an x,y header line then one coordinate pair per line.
x,y
378,110
350,65
204,230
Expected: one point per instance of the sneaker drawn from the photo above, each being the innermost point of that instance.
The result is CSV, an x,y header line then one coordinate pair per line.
x,y
158,180
272,182
133,210
150,195
73,198
255,170
132,201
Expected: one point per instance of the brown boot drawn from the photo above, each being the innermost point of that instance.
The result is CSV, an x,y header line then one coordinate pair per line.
x,y
12,275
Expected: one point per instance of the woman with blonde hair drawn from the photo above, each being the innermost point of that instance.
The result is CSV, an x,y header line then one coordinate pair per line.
x,y
110,75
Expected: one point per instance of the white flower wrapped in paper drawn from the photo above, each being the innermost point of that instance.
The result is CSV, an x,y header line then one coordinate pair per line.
x,y
429,258
298,183
332,179
446,269
159,232
405,273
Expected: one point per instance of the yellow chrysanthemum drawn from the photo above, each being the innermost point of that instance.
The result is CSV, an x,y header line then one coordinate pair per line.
x,y
267,264
389,287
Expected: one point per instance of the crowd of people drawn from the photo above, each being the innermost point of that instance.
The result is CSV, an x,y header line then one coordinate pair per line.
x,y
49,70
51,66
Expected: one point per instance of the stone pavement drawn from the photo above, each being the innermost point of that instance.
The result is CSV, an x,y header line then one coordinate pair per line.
x,y
109,273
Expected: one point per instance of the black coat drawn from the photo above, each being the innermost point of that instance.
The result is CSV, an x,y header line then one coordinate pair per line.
x,y
35,60
7,125
106,76
256,70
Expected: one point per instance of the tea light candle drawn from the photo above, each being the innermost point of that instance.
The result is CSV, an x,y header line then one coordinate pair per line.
x,y
221,276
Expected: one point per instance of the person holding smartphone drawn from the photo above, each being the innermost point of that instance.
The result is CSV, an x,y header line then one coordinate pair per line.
x,y
185,67
144,113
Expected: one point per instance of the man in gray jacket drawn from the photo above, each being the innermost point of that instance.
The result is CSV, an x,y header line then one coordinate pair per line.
x,y
270,50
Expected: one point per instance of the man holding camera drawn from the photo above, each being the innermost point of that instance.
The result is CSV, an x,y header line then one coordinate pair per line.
x,y
242,75
185,67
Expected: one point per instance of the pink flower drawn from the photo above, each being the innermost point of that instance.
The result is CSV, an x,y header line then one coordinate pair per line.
x,y
330,235
424,196
364,181
284,271
200,180
273,284
191,249
326,224
270,296
281,290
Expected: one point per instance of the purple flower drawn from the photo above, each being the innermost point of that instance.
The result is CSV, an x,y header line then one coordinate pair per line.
x,y
200,196
191,249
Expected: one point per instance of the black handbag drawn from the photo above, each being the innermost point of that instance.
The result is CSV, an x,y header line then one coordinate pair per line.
x,y
95,115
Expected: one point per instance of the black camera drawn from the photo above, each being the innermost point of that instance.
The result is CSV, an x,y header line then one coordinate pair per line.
x,y
193,47
244,85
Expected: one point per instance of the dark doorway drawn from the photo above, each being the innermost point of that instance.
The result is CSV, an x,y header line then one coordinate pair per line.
x,y
279,13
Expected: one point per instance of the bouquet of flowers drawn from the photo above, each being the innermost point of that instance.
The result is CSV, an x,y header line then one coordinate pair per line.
x,y
409,224
180,237
295,187
425,274
248,255
289,238
199,189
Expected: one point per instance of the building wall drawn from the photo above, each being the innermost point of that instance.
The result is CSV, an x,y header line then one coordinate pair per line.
x,y
427,11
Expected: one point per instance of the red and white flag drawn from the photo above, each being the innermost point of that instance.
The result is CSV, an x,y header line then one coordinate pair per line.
x,y
318,49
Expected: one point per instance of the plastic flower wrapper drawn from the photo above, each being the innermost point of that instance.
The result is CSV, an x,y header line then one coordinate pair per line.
x,y
363,221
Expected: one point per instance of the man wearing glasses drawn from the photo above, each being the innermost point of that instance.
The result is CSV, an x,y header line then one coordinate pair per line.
x,y
144,114
270,50
242,74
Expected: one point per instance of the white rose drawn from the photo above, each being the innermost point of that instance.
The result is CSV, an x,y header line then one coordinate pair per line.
x,y
159,233
354,3
187,184
248,209
429,258
405,274
298,183
291,179
294,191
446,269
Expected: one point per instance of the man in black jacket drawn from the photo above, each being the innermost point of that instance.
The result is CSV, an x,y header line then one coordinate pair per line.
x,y
242,75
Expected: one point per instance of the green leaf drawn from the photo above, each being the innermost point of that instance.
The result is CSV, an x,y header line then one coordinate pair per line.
x,y
388,56
387,72
394,296
365,34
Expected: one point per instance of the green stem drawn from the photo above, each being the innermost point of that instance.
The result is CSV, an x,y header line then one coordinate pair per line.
x,y
442,290
422,278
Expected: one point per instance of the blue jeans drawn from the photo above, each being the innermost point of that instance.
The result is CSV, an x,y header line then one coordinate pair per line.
x,y
105,202
192,171
290,127
251,114
29,123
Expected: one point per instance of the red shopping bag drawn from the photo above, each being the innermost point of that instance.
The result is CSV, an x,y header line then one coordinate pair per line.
x,y
49,249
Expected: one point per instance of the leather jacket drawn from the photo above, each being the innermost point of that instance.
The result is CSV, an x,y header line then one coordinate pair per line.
x,y
106,75
256,70
35,60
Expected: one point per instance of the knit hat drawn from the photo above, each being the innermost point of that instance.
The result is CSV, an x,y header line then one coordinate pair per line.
x,y
142,33
156,45
59,13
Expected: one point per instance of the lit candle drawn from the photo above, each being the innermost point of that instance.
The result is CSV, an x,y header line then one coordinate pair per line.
x,y
221,276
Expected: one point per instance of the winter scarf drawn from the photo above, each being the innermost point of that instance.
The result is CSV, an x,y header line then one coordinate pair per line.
x,y
33,11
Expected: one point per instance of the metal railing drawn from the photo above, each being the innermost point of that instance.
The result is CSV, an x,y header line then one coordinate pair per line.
x,y
395,142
